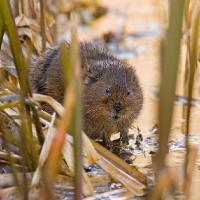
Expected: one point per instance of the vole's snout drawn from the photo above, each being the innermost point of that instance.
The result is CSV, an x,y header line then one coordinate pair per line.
x,y
117,106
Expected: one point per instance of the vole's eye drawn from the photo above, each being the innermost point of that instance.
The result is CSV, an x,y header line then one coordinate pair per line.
x,y
108,90
128,93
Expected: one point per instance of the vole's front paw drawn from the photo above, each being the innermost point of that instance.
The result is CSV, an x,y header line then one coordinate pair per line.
x,y
124,139
107,143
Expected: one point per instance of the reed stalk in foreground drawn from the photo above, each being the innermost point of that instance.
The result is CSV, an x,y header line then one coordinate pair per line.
x,y
77,124
52,164
169,75
1,30
72,115
170,62
192,60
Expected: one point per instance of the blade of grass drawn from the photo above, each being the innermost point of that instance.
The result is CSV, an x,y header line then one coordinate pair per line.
x,y
168,81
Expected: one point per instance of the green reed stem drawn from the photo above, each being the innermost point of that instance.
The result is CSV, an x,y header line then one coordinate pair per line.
x,y
75,59
170,62
66,63
169,75
70,57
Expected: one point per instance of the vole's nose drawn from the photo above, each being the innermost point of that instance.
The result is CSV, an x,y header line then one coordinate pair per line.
x,y
117,106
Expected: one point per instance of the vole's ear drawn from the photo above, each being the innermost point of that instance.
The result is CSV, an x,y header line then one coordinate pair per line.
x,y
93,73
90,80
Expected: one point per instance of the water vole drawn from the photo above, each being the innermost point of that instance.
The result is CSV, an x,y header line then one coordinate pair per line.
x,y
112,94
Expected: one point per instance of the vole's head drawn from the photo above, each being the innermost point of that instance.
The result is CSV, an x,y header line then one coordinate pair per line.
x,y
115,96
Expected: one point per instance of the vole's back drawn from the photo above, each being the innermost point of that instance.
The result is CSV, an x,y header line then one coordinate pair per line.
x,y
45,72
45,75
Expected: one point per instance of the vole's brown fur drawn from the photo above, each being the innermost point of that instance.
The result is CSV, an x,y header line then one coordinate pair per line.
x,y
112,94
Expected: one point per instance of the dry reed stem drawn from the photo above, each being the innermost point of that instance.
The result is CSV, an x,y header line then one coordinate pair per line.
x,y
163,183
9,193
129,182
120,171
42,24
49,100
88,150
16,158
193,149
4,84
118,194
7,180
119,163
68,154
44,152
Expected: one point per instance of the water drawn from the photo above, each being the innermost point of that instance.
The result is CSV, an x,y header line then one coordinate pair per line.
x,y
132,30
